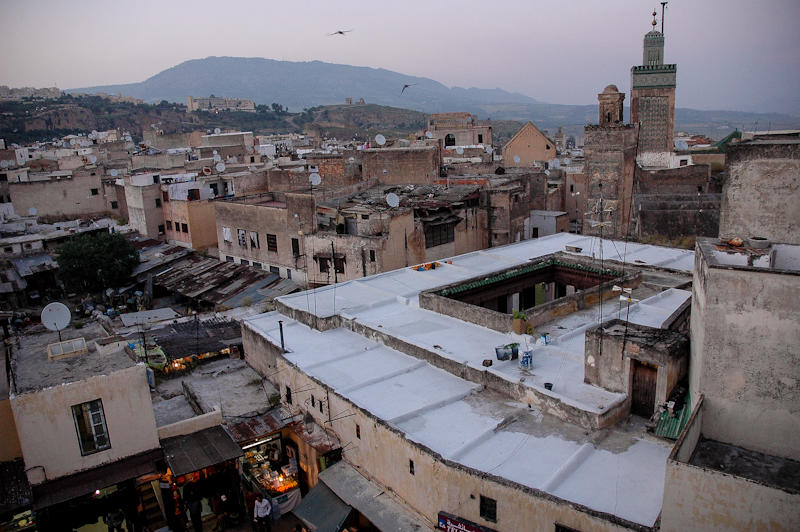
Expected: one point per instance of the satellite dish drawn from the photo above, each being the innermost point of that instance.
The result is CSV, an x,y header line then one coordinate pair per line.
x,y
315,179
214,152
392,199
385,171
206,170
429,134
217,132
93,159
489,150
380,139
516,158
547,172
56,316
460,150
4,163
114,172
220,167
351,160
32,211
217,158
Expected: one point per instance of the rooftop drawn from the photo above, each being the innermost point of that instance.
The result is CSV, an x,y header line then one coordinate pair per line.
x,y
776,258
34,371
459,419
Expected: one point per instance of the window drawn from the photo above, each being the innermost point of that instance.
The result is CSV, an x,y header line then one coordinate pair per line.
x,y
90,422
254,240
8,249
365,216
562,528
228,258
320,407
438,234
169,225
193,194
275,270
358,431
288,273
411,466
324,265
155,179
295,247
114,205
158,202
165,196
226,235
480,138
338,264
372,255
272,243
184,228
547,146
488,509
161,229
288,395
245,263
241,234
684,162
571,187
257,265
313,402
95,192
450,140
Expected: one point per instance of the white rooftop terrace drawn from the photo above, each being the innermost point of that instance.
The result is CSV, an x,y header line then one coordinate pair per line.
x,y
427,403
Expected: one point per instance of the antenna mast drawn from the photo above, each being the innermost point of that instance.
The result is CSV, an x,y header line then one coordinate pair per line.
x,y
663,7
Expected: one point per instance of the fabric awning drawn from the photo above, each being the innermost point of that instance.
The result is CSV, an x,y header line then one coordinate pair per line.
x,y
322,510
193,452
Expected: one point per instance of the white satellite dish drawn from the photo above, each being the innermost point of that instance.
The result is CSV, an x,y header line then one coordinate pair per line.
x,y
392,199
93,159
214,152
114,172
32,211
380,139
220,167
55,317
217,158
460,150
4,163
351,160
516,158
547,172
429,134
217,131
315,179
489,150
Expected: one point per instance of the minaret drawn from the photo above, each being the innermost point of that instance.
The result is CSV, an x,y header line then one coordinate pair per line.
x,y
653,100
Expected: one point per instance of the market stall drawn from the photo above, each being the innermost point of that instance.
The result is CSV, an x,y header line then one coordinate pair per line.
x,y
271,469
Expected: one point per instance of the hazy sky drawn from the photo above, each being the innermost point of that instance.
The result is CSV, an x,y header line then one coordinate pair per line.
x,y
731,54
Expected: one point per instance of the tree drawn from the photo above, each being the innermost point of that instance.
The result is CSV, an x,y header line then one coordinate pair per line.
x,y
96,262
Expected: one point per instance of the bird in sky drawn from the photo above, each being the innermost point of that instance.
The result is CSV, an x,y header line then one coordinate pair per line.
x,y
340,32
406,86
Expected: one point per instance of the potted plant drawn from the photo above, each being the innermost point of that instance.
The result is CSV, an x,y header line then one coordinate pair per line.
x,y
507,352
518,322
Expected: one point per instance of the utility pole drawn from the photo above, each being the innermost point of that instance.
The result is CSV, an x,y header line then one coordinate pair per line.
x,y
333,263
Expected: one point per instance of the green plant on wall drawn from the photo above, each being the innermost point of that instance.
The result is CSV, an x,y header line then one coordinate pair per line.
x,y
519,315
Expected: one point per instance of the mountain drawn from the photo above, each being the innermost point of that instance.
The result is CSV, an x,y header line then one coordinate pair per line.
x,y
304,84
300,85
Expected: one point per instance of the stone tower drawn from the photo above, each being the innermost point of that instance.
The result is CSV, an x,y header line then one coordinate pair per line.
x,y
611,105
653,101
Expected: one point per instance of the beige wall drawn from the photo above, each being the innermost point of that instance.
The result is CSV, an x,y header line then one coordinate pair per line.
x,y
202,224
47,430
68,196
382,454
9,442
529,144
744,338
143,215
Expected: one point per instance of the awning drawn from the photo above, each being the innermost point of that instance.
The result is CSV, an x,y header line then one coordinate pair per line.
x,y
370,499
66,488
15,492
193,452
322,510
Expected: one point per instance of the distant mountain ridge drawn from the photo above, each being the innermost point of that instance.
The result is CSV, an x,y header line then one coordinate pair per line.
x,y
299,85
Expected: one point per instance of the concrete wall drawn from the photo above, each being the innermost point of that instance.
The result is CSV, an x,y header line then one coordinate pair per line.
x,y
382,454
699,498
418,165
47,430
673,216
761,194
143,214
68,196
9,441
744,338
191,425
529,144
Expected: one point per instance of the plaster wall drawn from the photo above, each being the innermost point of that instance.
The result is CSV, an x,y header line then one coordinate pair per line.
x,y
143,214
9,441
60,197
129,418
745,359
529,144
402,166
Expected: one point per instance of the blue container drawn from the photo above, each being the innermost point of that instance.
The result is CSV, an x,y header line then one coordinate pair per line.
x,y
526,361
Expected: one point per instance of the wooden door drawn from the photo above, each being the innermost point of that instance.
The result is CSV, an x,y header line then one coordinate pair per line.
x,y
644,389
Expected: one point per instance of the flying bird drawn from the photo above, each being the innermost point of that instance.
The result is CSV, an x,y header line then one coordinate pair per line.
x,y
406,86
340,32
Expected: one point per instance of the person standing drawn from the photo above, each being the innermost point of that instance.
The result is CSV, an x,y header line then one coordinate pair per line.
x,y
261,511
114,519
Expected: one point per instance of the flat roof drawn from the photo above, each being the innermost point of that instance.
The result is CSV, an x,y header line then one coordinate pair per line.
x,y
775,258
457,418
34,371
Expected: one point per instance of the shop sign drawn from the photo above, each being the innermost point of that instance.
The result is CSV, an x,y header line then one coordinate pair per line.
x,y
451,523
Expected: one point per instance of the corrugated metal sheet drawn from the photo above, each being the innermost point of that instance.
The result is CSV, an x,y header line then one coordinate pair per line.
x,y
671,426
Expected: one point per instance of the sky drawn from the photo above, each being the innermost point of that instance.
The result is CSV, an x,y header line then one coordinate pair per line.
x,y
731,54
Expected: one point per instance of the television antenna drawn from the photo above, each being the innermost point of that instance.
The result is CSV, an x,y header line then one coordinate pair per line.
x,y
55,317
